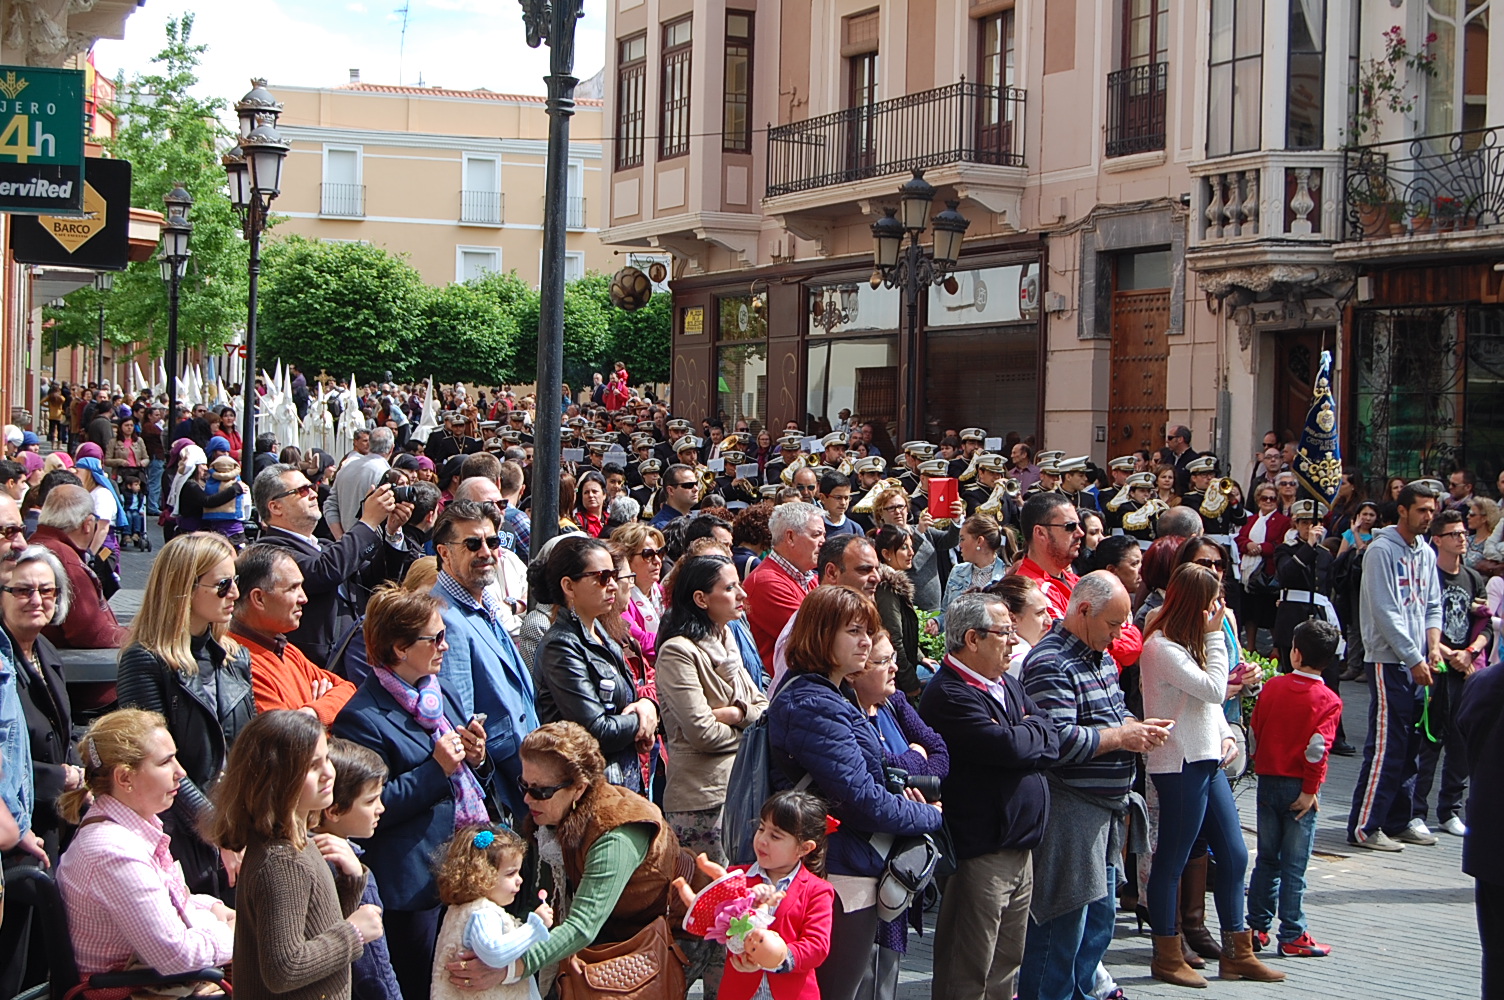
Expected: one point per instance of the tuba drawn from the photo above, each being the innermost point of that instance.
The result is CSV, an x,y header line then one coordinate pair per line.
x,y
1143,518
1218,495
865,504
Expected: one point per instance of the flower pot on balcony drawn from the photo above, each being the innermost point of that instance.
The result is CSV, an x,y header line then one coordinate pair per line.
x,y
1420,224
1373,220
1395,218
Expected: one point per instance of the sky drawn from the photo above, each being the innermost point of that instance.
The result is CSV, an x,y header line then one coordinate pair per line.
x,y
460,44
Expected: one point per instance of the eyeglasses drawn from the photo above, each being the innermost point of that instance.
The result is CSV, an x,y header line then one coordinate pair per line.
x,y
604,577
541,793
492,542
1444,534
9,531
650,554
1004,632
895,508
221,587
437,638
1216,564
1071,527
883,663
24,593
302,491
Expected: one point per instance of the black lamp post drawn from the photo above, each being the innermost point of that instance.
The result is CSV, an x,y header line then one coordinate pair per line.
x,y
103,281
552,21
255,172
174,260
909,268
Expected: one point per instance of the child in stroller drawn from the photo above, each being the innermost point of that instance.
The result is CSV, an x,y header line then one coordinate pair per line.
x,y
133,498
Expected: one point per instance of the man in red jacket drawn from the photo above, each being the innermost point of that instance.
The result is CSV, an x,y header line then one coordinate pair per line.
x,y
777,586
71,530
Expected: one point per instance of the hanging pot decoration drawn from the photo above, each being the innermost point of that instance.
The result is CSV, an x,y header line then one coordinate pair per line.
x,y
631,289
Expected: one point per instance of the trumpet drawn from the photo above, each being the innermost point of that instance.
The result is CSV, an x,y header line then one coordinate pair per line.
x,y
1218,495
865,504
1013,488
707,483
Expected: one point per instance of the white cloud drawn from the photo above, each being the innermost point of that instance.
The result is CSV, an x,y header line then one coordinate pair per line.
x,y
356,8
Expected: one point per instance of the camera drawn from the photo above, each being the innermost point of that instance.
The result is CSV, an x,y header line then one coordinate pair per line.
x,y
897,779
404,494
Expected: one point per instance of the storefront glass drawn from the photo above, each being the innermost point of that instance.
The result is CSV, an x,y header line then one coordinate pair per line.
x,y
1409,379
859,374
742,360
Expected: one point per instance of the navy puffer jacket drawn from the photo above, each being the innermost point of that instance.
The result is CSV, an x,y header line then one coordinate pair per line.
x,y
813,727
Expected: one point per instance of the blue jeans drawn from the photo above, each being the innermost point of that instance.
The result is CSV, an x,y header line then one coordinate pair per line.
x,y
1061,955
1284,851
154,486
1198,792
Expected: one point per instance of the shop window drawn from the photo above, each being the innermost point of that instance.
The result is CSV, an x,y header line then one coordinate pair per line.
x,y
742,383
859,374
986,376
1408,374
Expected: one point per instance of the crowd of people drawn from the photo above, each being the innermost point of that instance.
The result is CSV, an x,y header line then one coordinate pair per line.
x,y
356,706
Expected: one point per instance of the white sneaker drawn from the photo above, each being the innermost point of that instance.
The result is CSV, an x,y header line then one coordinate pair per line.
x,y
1416,833
1418,827
1455,827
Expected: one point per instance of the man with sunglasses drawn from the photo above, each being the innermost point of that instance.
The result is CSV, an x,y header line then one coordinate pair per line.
x,y
69,528
336,575
482,667
681,491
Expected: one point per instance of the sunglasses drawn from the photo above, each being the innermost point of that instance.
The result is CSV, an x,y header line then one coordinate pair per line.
x,y
1071,527
683,486
222,587
493,542
24,593
302,491
437,638
1215,564
541,793
651,554
604,577
9,531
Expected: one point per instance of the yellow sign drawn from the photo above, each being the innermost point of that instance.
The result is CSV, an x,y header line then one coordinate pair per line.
x,y
694,320
74,233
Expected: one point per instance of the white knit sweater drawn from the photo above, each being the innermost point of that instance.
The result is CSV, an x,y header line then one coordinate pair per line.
x,y
1175,687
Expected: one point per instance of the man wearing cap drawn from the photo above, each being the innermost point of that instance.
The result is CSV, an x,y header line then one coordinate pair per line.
x,y
1049,474
650,471
1075,479
1119,469
834,444
790,447
676,429
971,443
1126,510
731,488
991,470
1218,513
868,472
453,440
914,452
919,497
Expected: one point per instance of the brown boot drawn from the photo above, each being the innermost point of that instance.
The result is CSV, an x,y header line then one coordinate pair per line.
x,y
1193,911
1239,962
1169,964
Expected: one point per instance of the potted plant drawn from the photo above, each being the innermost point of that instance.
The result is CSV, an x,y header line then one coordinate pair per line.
x,y
1394,217
1383,84
1448,212
1372,201
1420,217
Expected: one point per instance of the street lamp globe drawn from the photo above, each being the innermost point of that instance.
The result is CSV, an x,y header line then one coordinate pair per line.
x,y
239,174
177,230
169,268
887,235
104,281
256,106
915,196
265,149
950,226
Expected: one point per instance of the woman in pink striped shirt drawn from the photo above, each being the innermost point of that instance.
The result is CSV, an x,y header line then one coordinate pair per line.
x,y
125,896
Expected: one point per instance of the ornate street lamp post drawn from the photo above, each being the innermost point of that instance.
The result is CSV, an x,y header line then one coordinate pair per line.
x,y
554,23
103,281
907,267
174,260
255,172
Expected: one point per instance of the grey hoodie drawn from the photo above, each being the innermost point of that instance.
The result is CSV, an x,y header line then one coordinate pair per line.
x,y
1400,599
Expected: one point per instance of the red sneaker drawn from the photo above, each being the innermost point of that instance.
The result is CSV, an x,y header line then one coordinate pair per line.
x,y
1260,940
1304,946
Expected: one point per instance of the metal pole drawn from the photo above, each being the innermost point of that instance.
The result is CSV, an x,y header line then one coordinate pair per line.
x,y
172,345
248,417
547,447
99,354
912,422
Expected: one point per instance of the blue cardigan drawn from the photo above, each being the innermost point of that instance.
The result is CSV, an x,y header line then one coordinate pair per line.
x,y
419,817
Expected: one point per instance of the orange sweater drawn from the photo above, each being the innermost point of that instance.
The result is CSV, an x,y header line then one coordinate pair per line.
x,y
287,681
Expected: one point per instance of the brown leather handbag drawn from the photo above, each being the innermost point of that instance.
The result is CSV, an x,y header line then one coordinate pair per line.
x,y
647,966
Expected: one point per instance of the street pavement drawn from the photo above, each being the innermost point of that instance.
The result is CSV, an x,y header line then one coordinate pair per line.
x,y
1400,925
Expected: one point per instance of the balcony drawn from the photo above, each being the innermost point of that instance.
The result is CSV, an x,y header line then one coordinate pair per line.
x,y
480,208
1427,196
967,136
1268,207
1136,109
574,212
343,201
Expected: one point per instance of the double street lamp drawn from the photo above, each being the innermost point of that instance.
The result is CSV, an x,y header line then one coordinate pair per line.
x,y
176,232
255,171
908,267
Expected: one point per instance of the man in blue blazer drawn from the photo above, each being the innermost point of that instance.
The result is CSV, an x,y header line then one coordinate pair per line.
x,y
482,667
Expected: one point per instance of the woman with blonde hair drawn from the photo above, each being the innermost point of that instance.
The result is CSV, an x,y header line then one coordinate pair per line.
x,y
126,900
180,661
642,544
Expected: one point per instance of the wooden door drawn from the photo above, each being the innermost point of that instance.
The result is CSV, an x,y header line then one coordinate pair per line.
x,y
1298,359
1140,370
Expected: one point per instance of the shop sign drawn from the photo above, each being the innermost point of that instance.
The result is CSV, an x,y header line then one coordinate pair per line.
x,y
41,140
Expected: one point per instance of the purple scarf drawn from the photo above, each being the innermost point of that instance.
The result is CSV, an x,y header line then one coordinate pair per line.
x,y
425,704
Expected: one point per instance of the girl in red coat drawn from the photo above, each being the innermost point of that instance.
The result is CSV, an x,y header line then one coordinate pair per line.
x,y
790,849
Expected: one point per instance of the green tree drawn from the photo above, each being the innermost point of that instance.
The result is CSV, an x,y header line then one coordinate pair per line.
x,y
469,336
587,331
343,307
169,136
643,339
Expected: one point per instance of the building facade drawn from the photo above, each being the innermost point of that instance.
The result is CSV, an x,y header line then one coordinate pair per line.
x,y
1161,228
452,178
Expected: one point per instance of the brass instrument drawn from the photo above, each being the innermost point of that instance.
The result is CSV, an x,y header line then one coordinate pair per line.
x,y
865,504
790,470
1218,495
1143,518
1013,487
707,483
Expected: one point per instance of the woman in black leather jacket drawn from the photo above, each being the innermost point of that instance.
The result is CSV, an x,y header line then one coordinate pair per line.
x,y
180,662
581,673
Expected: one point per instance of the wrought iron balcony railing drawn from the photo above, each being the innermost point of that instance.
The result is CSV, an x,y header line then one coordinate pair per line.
x,y
346,200
481,207
1136,109
1432,183
961,122
574,212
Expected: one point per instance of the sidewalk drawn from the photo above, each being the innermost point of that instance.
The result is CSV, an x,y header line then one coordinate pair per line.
x,y
1400,925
